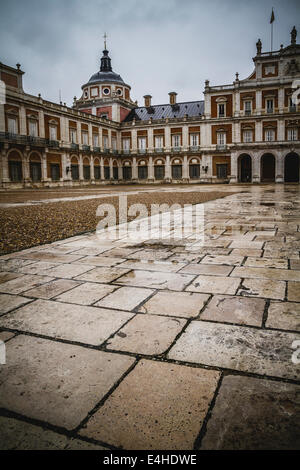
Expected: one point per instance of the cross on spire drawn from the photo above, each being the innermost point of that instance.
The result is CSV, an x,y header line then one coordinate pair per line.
x,y
105,37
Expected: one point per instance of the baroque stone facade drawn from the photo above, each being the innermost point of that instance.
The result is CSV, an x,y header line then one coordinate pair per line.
x,y
247,131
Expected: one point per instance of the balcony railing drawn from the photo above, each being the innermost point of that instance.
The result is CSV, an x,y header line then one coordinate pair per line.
x,y
270,110
176,149
247,112
221,147
194,148
142,150
126,151
292,108
97,149
74,146
52,143
86,148
29,140
158,150
114,151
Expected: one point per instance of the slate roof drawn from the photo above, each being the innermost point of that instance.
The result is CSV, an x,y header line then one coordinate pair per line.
x,y
161,111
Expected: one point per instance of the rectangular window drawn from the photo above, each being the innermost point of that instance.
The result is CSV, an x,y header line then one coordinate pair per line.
x,y
126,144
15,170
292,134
95,140
270,135
114,143
221,138
159,142
35,171
33,128
248,106
53,132
85,138
73,136
270,106
142,143
221,110
194,140
247,136
127,172
176,140
105,142
86,172
222,171
194,171
106,173
115,173
12,125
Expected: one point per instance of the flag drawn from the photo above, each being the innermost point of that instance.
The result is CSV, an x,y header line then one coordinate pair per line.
x,y
272,17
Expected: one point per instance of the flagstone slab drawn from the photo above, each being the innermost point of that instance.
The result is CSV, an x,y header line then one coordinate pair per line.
x,y
177,304
15,434
14,264
263,288
155,280
68,271
266,273
230,260
51,257
150,254
8,276
6,335
264,416
86,293
125,298
153,265
234,309
214,285
88,325
37,267
168,414
9,302
23,283
56,382
207,269
246,252
102,274
241,348
284,316
278,263
293,293
295,264
51,289
100,260
147,334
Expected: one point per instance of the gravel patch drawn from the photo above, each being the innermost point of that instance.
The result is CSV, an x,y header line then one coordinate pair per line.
x,y
31,225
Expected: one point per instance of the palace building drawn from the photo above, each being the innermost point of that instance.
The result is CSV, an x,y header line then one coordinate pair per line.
x,y
246,131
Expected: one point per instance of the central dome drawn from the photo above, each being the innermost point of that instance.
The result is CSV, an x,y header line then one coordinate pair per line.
x,y
108,76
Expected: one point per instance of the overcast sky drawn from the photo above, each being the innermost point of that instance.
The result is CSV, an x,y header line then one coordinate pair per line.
x,y
156,46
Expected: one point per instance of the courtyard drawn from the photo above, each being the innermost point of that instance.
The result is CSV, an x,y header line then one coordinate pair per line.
x,y
161,343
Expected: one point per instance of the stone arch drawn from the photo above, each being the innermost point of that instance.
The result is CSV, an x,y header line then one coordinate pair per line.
x,y
268,167
245,168
291,167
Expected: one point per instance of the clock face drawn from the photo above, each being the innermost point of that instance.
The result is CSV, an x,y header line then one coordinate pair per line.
x,y
106,91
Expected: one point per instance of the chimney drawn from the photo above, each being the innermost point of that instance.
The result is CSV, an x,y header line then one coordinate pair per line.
x,y
172,95
147,99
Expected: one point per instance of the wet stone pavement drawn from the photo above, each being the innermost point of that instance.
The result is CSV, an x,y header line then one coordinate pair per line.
x,y
162,344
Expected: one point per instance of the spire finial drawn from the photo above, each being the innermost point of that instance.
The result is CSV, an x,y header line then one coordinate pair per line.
x,y
105,37
293,35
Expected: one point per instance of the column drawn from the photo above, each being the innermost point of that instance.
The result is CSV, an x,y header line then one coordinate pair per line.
x,y
258,131
150,139
92,176
25,164
281,100
168,170
64,137
90,138
185,137
168,138
44,167
134,140
256,168
120,172
78,133
150,169
258,102
5,172
101,169
80,167
279,167
236,103
234,168
22,116
185,169
280,130
134,169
